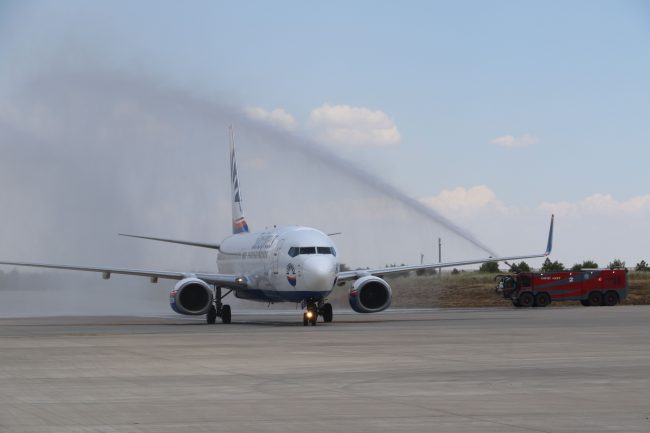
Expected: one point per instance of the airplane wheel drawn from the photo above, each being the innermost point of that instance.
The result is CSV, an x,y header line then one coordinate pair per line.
x,y
526,300
305,321
610,299
225,314
314,319
211,317
595,299
542,300
328,314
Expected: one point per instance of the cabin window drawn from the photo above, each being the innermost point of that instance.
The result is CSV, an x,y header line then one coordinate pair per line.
x,y
325,250
307,250
293,251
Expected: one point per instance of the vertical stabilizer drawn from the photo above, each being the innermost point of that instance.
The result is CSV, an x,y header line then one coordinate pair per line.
x,y
238,221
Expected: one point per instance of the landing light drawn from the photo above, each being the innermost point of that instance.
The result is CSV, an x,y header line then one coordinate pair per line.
x,y
310,314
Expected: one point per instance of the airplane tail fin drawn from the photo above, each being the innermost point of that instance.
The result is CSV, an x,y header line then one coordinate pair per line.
x,y
239,224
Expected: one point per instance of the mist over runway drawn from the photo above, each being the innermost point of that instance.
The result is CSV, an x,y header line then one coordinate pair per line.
x,y
111,153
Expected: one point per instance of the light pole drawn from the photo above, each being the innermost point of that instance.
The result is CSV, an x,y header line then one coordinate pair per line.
x,y
439,256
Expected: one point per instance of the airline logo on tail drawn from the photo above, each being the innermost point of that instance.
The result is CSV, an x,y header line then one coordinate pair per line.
x,y
239,224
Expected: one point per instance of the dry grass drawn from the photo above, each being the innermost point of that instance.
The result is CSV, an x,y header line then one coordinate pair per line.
x,y
473,289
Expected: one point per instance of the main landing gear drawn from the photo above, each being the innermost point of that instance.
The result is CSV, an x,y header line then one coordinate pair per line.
x,y
218,309
314,309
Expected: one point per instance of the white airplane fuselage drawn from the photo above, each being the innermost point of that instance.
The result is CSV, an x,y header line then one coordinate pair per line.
x,y
286,264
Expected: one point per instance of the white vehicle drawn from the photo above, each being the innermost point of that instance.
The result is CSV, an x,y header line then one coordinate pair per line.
x,y
287,264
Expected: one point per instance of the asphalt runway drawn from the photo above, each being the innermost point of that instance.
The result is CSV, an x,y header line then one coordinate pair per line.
x,y
478,370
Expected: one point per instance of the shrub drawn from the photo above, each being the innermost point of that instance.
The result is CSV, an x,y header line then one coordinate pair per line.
x,y
587,264
489,267
550,266
616,264
520,267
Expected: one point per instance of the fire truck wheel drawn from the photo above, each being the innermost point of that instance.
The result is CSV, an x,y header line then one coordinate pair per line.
x,y
516,303
542,300
595,299
585,303
611,298
526,300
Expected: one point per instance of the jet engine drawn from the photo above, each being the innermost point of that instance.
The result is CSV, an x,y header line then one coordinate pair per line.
x,y
370,294
191,296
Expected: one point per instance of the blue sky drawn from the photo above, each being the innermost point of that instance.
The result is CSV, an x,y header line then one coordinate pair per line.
x,y
452,77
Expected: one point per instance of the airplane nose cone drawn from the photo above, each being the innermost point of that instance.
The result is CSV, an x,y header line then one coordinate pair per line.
x,y
319,273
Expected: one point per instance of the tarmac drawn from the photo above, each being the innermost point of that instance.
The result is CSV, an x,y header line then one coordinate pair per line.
x,y
475,370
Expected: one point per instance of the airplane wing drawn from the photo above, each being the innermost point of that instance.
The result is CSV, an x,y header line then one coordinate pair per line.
x,y
351,275
224,280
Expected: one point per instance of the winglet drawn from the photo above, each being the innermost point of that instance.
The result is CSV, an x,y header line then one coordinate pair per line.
x,y
549,245
239,224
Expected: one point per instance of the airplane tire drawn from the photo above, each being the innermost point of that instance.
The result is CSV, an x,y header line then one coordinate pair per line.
x,y
328,313
226,314
314,319
542,300
610,299
305,321
595,299
211,317
526,300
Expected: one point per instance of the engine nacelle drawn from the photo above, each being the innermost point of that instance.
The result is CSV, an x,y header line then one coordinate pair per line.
x,y
191,296
370,294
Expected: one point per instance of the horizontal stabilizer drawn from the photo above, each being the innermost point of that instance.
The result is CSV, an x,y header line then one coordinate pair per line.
x,y
175,241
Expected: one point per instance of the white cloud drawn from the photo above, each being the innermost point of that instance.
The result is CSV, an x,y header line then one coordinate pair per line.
x,y
278,117
343,124
466,201
600,204
523,140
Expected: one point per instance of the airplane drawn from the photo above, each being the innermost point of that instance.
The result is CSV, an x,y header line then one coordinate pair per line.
x,y
281,264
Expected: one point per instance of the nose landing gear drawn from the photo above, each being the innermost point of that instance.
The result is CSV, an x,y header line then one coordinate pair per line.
x,y
314,309
309,316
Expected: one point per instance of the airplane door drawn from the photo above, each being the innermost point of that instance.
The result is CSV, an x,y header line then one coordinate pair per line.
x,y
276,258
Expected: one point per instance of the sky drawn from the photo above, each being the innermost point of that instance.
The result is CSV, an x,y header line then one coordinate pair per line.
x,y
494,114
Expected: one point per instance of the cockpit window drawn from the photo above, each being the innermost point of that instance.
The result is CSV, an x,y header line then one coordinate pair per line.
x,y
294,251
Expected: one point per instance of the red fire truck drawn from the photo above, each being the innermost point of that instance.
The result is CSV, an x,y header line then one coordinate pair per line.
x,y
591,287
